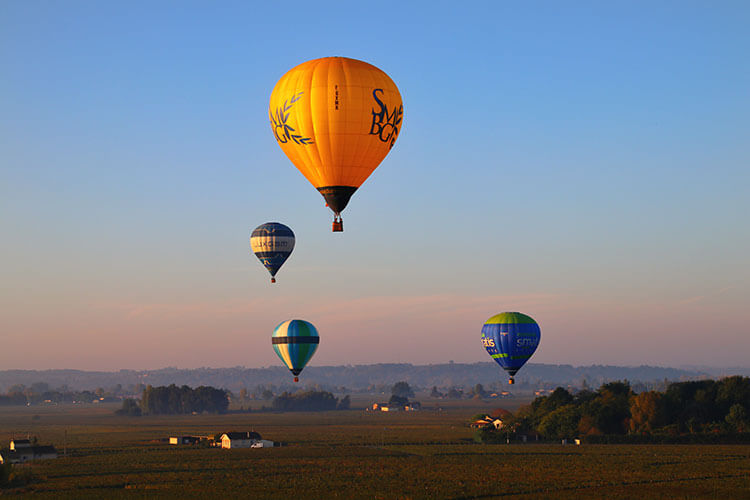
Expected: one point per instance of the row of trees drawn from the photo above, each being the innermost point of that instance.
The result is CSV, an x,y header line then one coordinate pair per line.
x,y
179,400
170,400
699,407
476,392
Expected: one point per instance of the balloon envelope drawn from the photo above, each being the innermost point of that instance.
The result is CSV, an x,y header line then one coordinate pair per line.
x,y
272,243
336,119
511,338
295,341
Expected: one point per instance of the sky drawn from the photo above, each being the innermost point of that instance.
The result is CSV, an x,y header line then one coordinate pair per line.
x,y
585,163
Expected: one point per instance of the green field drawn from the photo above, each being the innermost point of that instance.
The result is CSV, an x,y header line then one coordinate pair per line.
x,y
352,454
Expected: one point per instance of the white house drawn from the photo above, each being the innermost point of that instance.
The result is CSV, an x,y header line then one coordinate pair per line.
x,y
239,439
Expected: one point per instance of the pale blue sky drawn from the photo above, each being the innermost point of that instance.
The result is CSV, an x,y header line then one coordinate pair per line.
x,y
583,162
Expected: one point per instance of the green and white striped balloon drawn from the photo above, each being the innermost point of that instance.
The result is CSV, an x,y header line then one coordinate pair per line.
x,y
295,341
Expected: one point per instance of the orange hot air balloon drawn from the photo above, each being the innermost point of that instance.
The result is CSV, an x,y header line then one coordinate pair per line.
x,y
336,119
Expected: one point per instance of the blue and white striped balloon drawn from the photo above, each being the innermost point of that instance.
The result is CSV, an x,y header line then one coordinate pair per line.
x,y
272,243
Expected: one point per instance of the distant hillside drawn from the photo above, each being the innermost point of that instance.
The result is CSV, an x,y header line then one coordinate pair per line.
x,y
358,378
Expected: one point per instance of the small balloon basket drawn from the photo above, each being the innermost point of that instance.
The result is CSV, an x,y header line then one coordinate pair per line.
x,y
338,225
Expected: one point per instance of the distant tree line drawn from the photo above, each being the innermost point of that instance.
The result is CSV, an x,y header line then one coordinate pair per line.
x,y
172,400
310,401
614,413
40,392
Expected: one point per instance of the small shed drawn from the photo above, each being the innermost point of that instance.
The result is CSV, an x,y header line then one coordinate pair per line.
x,y
177,440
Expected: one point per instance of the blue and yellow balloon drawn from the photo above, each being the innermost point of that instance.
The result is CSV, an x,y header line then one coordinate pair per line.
x,y
295,341
511,338
272,243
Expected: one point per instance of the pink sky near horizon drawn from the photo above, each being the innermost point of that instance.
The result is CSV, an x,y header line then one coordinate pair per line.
x,y
413,329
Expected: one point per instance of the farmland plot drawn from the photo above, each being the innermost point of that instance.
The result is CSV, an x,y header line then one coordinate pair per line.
x,y
353,454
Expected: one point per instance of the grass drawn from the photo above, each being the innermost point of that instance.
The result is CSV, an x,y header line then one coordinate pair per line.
x,y
353,454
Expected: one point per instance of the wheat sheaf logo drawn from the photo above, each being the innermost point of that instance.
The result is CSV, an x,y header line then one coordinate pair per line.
x,y
281,129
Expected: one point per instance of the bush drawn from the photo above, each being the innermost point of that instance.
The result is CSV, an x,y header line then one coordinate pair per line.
x,y
305,401
398,401
130,408
344,403
14,477
5,470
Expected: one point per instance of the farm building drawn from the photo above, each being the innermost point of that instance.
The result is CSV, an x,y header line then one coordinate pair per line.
x,y
184,440
484,422
16,444
240,439
413,406
21,450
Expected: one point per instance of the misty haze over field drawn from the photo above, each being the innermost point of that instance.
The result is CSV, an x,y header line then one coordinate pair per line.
x,y
366,378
